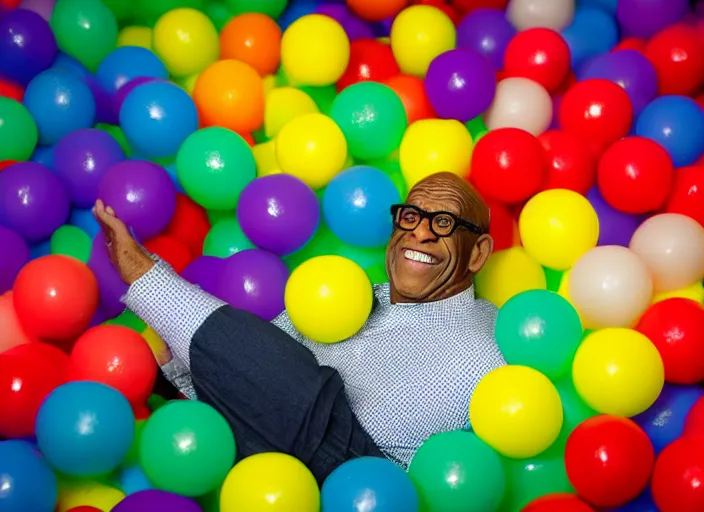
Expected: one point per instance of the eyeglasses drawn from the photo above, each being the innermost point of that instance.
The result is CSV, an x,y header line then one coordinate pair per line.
x,y
442,224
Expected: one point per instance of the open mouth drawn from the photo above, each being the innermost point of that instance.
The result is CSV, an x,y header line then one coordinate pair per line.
x,y
419,257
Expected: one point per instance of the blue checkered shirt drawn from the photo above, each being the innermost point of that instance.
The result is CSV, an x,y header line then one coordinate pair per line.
x,y
409,372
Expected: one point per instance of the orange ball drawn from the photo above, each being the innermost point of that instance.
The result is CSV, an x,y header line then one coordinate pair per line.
x,y
230,94
253,38
411,90
376,10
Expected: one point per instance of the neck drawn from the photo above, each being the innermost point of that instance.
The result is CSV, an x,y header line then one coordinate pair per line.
x,y
396,297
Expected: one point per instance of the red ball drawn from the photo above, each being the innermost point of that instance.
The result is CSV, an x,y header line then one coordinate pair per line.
x,y
370,60
28,373
84,508
189,225
118,357
503,226
631,43
376,10
173,251
440,4
678,475
677,54
467,6
597,110
687,195
508,165
570,163
11,90
635,175
694,424
411,90
55,297
539,54
557,502
700,100
608,460
676,328
248,138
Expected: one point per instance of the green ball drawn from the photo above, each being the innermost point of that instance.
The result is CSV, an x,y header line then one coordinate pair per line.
x,y
148,12
187,448
324,97
219,14
18,131
272,8
123,10
372,118
574,410
129,320
553,278
226,238
71,241
539,329
213,166
476,128
85,29
117,134
392,168
457,472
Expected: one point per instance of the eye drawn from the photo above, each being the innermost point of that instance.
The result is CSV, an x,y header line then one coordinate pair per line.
x,y
409,216
443,222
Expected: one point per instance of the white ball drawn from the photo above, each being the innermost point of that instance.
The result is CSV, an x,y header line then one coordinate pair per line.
x,y
554,14
520,103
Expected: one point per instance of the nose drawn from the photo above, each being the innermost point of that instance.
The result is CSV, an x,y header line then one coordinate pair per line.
x,y
423,234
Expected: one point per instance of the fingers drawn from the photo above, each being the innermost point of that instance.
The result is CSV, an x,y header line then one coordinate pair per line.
x,y
106,216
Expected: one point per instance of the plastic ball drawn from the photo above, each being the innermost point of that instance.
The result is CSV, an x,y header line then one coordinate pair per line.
x,y
226,238
418,35
85,428
645,19
520,103
687,195
315,51
328,298
59,103
18,131
539,54
111,285
370,60
677,476
635,175
618,371
508,273
28,481
373,10
11,90
14,256
313,148
213,166
488,32
77,493
557,502
187,447
579,35
570,163
283,105
186,41
354,27
677,124
527,14
526,427
27,45
609,460
411,91
142,195
372,119
84,29
678,57
254,39
615,227
127,63
189,225
135,36
278,213
71,241
695,420
156,500
272,8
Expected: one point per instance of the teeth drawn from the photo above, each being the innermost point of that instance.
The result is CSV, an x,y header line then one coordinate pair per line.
x,y
419,256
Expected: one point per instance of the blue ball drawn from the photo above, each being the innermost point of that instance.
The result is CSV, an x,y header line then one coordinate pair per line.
x,y
44,155
371,484
85,220
26,480
356,206
677,124
605,5
126,63
40,249
581,36
59,102
85,428
65,62
294,10
171,169
157,117
132,480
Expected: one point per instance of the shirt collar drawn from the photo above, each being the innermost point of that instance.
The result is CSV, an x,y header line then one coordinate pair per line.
x,y
382,294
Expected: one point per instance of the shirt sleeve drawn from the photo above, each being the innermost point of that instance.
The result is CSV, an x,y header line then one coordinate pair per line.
x,y
178,374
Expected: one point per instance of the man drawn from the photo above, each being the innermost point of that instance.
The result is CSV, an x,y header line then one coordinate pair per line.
x,y
407,374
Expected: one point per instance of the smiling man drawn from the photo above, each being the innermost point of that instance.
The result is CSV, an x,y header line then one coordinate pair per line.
x,y
406,375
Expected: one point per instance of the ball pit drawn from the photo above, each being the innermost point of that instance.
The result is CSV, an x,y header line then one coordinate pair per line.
x,y
257,146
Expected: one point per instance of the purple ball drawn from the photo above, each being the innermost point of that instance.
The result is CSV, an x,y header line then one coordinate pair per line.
x,y
33,201
460,84
13,256
27,45
645,18
81,159
204,271
629,69
104,112
278,213
488,32
119,97
110,284
42,7
254,280
354,27
142,195
615,227
154,500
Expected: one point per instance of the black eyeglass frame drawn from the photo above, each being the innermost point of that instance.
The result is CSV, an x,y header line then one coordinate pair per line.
x,y
431,216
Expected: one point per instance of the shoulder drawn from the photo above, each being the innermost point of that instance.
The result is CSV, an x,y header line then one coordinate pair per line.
x,y
483,314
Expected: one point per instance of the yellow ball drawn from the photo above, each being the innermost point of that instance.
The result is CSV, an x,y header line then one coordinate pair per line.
x,y
312,148
186,41
557,227
508,273
78,493
188,83
283,105
517,411
564,292
135,36
693,292
269,482
618,371
435,145
315,50
156,344
265,158
328,298
418,35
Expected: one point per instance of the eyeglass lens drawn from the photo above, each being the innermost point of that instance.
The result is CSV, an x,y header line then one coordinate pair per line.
x,y
409,218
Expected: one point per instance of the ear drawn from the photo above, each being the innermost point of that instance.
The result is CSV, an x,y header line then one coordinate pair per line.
x,y
480,253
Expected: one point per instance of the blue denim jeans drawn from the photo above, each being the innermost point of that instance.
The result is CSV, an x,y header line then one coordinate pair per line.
x,y
274,393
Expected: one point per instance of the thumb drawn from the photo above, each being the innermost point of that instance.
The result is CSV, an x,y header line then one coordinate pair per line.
x,y
106,215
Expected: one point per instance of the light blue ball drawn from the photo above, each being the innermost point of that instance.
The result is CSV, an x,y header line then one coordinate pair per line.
x,y
127,63
157,117
26,480
59,102
132,480
357,204
85,428
371,484
592,32
677,124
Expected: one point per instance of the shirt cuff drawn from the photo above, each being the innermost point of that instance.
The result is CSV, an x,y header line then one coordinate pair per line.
x,y
172,306
178,375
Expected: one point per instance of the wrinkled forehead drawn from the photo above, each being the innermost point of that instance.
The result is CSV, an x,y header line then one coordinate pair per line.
x,y
440,195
